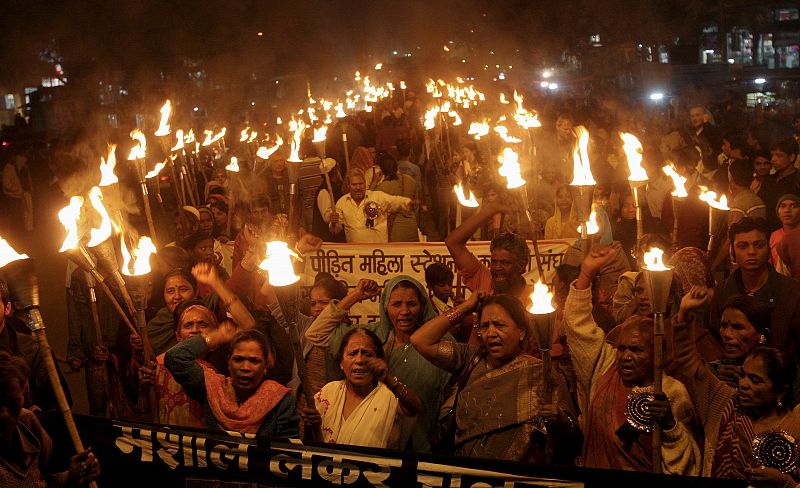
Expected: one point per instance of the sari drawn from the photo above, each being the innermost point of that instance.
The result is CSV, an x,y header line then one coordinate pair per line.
x,y
378,421
174,405
427,381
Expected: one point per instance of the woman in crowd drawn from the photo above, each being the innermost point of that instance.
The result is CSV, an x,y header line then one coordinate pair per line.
x,y
744,326
734,419
563,224
403,223
404,307
179,286
220,210
624,228
488,425
25,447
608,375
244,401
369,407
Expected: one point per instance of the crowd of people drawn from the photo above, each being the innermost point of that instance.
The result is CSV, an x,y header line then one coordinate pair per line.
x,y
444,373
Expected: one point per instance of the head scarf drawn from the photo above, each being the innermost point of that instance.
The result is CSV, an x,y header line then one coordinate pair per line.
x,y
208,316
427,309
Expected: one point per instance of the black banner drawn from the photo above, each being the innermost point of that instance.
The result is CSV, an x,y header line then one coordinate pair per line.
x,y
147,455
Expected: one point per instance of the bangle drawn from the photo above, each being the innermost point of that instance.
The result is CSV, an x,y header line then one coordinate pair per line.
x,y
403,393
454,316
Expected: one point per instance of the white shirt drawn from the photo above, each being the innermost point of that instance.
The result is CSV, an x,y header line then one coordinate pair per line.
x,y
355,221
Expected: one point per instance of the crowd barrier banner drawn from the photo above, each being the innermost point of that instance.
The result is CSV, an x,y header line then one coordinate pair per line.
x,y
381,262
147,455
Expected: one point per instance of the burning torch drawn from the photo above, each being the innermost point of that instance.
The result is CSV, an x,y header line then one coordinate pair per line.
x,y
583,184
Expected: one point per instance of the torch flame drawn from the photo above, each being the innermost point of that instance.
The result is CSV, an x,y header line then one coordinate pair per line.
x,y
189,137
211,138
478,129
141,254
592,226
503,99
298,127
582,168
8,254
278,262
139,151
265,153
677,180
107,176
509,167
252,137
541,299
430,118
710,198
633,153
179,142
379,66
157,169
503,132
244,134
97,236
525,119
68,216
233,165
340,111
402,85
163,126
455,116
320,134
654,260
463,199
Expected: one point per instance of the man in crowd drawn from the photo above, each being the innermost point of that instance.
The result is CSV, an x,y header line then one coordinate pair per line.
x,y
755,277
789,214
363,214
785,179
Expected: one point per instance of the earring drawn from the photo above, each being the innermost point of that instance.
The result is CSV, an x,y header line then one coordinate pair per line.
x,y
762,340
779,403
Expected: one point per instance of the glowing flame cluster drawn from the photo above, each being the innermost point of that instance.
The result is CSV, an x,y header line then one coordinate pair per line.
x,y
478,130
296,127
278,262
163,126
634,155
264,152
582,170
525,119
510,169
156,170
541,299
463,198
654,260
139,151
107,176
99,235
211,138
233,165
592,225
710,198
8,254
68,216
139,263
677,180
320,134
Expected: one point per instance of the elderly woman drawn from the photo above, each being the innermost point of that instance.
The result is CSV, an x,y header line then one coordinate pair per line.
x,y
743,327
244,401
607,375
734,419
190,318
404,307
488,425
369,407
25,447
179,286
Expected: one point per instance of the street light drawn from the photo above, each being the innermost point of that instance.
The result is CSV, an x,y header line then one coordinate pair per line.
x,y
759,81
656,96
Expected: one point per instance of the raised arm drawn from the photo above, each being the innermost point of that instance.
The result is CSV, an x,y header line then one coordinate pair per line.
x,y
457,240
319,332
590,353
428,338
206,273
